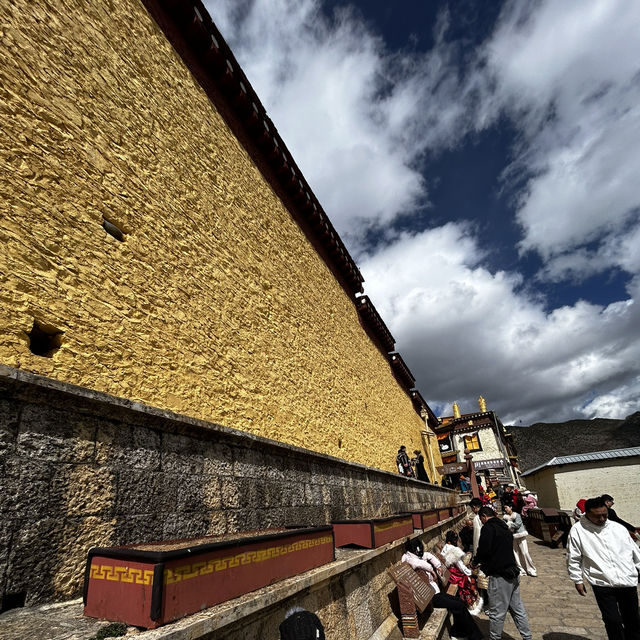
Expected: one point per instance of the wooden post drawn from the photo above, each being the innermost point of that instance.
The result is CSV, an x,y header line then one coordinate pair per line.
x,y
472,473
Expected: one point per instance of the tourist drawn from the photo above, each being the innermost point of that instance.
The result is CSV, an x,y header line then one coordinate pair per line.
x,y
463,624
300,624
460,574
507,496
614,517
603,552
530,502
464,484
403,462
466,536
495,557
518,501
475,505
520,546
578,512
418,462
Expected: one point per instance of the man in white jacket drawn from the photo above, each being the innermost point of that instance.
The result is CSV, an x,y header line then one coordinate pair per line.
x,y
603,551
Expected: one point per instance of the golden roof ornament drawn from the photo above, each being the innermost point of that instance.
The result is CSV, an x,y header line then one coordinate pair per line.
x,y
456,410
482,403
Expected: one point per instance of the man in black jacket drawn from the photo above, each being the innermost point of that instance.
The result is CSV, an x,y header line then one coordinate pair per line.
x,y
496,559
608,500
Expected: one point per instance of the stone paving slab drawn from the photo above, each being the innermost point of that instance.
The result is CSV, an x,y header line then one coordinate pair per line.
x,y
556,611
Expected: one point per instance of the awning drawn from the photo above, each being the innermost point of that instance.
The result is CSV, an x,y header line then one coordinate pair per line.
x,y
493,463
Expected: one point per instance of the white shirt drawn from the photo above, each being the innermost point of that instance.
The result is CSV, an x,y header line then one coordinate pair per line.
x,y
606,555
477,526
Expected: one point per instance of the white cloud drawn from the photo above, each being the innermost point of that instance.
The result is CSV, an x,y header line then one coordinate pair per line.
x,y
570,74
465,332
359,118
356,117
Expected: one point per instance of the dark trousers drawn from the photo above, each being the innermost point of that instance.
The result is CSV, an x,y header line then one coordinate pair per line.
x,y
464,625
619,609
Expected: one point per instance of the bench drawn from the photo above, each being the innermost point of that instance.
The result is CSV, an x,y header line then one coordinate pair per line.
x,y
414,597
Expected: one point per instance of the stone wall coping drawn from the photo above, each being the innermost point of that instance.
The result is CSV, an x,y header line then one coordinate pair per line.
x,y
200,624
12,375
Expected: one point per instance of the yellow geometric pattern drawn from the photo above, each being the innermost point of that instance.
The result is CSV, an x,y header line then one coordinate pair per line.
x,y
391,525
121,574
185,572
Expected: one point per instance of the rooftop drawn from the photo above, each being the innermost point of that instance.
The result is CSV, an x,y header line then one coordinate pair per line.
x,y
587,457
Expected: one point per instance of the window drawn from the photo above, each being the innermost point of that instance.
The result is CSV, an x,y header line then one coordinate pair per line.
x,y
472,442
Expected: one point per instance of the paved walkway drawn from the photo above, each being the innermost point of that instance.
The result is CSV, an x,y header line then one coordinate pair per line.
x,y
556,611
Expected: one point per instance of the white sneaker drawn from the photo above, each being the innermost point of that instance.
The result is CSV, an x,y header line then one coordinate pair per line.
x,y
533,574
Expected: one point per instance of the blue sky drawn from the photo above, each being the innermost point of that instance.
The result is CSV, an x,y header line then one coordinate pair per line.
x,y
481,162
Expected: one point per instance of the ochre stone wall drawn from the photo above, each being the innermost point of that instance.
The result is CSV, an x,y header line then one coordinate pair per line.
x,y
216,305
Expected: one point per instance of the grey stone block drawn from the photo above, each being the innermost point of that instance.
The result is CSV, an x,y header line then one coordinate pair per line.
x,y
8,427
217,459
123,445
140,492
82,490
230,493
136,529
217,523
59,436
26,489
248,463
181,454
243,520
181,525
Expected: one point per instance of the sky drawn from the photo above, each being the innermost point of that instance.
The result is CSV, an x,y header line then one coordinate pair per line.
x,y
481,161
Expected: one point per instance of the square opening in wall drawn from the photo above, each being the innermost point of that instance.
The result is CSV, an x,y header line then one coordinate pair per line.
x,y
113,229
44,340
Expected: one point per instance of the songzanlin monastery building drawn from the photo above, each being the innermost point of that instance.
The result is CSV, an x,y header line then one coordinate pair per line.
x,y
481,433
185,348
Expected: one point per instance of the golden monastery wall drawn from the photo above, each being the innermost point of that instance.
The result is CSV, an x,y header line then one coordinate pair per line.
x,y
216,306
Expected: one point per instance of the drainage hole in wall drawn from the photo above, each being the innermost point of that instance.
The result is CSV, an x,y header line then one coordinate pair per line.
x,y
13,601
44,340
113,229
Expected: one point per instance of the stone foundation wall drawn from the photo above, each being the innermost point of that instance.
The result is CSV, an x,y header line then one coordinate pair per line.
x,y
81,469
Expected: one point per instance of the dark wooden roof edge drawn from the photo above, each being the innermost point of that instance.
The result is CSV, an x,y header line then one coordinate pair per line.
x,y
375,323
464,417
193,34
401,370
419,403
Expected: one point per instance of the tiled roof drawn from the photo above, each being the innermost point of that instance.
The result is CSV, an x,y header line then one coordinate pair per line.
x,y
587,457
374,323
401,370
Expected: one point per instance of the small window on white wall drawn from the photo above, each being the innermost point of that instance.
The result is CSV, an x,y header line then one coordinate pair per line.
x,y
472,442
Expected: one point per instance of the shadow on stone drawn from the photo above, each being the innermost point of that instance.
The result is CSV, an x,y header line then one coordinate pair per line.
x,y
562,636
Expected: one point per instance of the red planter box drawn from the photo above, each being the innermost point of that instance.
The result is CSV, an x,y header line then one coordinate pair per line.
x,y
148,588
424,519
372,533
444,514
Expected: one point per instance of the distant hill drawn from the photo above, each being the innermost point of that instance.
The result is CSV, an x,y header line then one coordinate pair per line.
x,y
542,441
